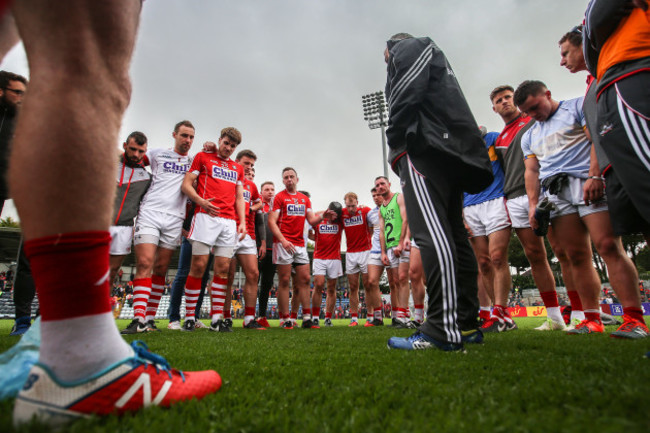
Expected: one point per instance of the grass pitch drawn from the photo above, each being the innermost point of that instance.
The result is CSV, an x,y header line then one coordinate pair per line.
x,y
344,379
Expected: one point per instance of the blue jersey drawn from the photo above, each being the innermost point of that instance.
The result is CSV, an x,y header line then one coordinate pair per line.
x,y
559,143
495,190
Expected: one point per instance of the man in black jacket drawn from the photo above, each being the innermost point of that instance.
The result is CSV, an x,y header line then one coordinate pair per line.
x,y
437,150
12,90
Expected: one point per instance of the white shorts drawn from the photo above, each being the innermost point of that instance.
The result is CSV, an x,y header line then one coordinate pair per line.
x,y
283,257
487,217
518,211
121,239
217,232
375,259
158,228
246,246
357,262
569,200
330,268
395,261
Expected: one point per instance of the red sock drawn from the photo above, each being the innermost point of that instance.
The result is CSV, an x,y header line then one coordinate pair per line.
x,y
316,312
306,311
484,314
227,313
328,315
574,298
635,313
249,311
294,315
592,315
192,290
63,294
550,299
157,288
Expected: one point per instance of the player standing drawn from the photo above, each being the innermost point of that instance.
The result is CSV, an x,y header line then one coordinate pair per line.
x,y
159,225
219,195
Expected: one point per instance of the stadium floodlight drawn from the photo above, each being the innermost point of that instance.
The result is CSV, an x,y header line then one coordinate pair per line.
x,y
375,112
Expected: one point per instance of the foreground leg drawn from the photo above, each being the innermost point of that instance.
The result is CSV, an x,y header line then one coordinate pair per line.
x,y
79,53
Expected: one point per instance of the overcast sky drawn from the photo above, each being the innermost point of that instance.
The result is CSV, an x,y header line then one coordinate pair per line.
x,y
289,74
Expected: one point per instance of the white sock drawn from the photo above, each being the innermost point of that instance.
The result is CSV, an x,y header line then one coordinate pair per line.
x,y
554,314
76,348
306,317
248,319
218,316
577,314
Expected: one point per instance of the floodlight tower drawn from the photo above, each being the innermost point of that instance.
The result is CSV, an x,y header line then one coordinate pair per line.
x,y
375,112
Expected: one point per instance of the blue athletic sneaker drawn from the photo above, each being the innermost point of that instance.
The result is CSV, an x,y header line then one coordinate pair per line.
x,y
21,325
474,336
420,341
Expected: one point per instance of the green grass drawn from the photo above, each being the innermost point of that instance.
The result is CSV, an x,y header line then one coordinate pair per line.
x,y
344,379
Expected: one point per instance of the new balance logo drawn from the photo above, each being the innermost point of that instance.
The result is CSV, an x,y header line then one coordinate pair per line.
x,y
144,382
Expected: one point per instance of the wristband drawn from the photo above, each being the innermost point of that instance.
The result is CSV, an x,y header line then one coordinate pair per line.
x,y
600,178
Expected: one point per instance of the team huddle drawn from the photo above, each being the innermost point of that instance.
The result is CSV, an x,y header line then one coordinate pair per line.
x,y
220,204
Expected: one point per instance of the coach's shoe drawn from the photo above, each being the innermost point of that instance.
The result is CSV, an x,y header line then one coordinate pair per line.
x,y
328,322
632,329
253,324
587,327
263,322
493,324
188,325
175,325
551,325
135,327
21,325
420,341
473,336
114,390
151,324
287,325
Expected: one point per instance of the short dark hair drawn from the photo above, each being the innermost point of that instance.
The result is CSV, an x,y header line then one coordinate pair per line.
x,y
268,182
382,177
574,37
186,123
246,152
528,88
138,137
306,193
289,168
373,189
500,89
6,77
401,36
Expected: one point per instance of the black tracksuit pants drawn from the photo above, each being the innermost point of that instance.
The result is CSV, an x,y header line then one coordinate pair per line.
x,y
434,204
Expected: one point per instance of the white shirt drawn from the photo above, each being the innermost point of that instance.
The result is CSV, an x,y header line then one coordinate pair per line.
x,y
168,169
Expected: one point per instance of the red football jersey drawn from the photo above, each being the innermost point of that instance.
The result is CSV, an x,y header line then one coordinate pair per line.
x,y
218,179
251,196
356,229
510,131
327,236
293,210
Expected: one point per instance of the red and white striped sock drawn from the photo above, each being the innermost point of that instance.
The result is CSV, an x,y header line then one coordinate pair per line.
x,y
218,296
377,314
315,311
354,317
552,306
306,314
328,316
157,288
75,306
192,291
576,305
141,293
